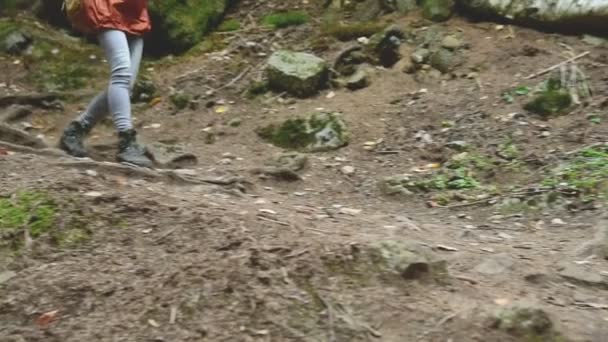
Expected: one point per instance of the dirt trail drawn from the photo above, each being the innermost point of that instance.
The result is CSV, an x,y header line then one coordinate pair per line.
x,y
170,258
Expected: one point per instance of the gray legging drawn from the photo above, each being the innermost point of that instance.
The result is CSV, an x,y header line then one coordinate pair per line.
x,y
123,53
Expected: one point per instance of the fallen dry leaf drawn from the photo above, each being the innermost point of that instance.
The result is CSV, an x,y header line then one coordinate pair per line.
x,y
47,318
155,101
3,152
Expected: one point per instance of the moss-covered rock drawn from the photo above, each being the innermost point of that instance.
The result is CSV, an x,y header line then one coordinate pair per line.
x,y
442,60
410,260
299,74
550,102
384,46
527,323
318,132
437,10
180,24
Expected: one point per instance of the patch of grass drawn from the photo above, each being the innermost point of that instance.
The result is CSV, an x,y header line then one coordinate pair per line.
x,y
508,150
350,31
42,217
34,211
286,19
229,26
180,100
587,173
509,95
56,61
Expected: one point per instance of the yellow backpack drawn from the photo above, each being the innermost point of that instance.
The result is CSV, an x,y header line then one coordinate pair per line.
x,y
73,10
71,7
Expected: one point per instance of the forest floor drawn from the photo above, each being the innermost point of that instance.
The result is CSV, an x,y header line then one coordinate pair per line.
x,y
217,252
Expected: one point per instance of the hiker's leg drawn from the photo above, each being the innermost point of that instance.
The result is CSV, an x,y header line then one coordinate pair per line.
x,y
136,46
98,108
116,46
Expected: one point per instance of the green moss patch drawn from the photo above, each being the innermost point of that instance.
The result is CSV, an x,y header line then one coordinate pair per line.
x,y
229,26
318,132
586,173
34,211
36,214
56,61
286,19
461,178
181,24
553,99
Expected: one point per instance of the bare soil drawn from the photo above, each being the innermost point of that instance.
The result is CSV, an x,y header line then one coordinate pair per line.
x,y
268,260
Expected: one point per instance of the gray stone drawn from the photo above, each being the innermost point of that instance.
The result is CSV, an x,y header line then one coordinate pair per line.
x,y
299,74
451,42
420,56
6,276
578,274
593,40
410,260
283,166
599,245
496,264
172,156
16,43
293,161
458,145
442,60
396,185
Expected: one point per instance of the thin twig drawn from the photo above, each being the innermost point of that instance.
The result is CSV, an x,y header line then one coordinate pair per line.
x,y
558,65
234,80
263,218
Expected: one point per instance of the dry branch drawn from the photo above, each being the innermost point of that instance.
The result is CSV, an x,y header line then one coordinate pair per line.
x,y
558,65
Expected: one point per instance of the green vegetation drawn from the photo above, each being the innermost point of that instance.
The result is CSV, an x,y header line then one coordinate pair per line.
x,y
34,211
351,31
286,19
509,95
594,118
586,173
180,100
38,214
181,24
552,100
319,132
508,150
229,26
56,61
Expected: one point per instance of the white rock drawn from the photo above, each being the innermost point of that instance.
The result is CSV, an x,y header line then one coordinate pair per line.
x,y
348,170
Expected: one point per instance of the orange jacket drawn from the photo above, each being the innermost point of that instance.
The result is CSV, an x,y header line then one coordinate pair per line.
x,y
130,16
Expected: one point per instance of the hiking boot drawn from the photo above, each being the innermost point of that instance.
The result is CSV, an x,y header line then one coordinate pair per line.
x,y
72,140
129,151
